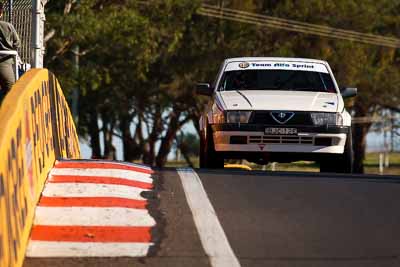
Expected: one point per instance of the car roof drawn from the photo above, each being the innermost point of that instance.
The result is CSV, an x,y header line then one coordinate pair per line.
x,y
287,59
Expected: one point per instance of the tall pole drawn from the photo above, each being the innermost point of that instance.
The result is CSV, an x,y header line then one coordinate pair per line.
x,y
75,92
38,32
392,131
10,10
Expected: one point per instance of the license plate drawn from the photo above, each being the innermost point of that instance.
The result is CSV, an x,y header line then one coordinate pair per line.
x,y
281,131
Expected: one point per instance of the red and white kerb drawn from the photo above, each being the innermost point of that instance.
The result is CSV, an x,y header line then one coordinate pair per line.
x,y
93,209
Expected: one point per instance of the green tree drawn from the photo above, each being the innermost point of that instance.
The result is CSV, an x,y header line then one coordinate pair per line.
x,y
125,47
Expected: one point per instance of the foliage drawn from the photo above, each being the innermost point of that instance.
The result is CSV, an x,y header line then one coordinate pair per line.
x,y
139,61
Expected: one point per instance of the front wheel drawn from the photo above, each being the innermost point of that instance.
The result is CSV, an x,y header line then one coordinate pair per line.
x,y
209,158
342,163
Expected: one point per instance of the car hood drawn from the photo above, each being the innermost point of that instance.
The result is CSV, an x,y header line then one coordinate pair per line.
x,y
279,100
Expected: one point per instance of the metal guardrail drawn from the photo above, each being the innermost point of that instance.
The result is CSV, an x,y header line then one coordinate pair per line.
x,y
28,18
21,18
18,64
17,60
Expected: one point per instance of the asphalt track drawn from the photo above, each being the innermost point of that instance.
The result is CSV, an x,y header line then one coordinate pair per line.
x,y
273,219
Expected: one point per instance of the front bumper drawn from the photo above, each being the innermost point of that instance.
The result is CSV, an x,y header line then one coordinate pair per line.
x,y
309,139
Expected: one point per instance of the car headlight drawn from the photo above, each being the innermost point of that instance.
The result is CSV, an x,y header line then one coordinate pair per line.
x,y
324,118
238,116
218,115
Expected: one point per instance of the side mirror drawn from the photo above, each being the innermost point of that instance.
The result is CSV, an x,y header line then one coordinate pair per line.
x,y
204,89
348,92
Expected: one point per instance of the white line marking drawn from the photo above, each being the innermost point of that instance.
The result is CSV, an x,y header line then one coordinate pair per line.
x,y
86,249
88,216
212,235
91,190
115,173
101,162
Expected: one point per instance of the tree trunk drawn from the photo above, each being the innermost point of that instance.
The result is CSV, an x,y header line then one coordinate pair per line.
x,y
149,154
132,150
196,124
126,138
360,132
109,149
168,139
108,129
184,150
149,151
94,135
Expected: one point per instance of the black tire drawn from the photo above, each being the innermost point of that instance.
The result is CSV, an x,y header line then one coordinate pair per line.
x,y
209,158
342,163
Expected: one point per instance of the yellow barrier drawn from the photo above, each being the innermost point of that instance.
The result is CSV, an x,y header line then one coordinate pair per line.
x,y
36,128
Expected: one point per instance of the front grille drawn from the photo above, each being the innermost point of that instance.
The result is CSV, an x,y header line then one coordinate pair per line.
x,y
283,139
238,140
264,117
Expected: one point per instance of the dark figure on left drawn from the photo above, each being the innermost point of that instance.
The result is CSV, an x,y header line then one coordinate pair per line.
x,y
9,41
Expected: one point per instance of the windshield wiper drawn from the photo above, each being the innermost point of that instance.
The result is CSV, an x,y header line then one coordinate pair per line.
x,y
248,101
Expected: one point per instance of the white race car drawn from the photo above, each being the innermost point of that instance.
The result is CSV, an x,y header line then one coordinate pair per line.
x,y
276,110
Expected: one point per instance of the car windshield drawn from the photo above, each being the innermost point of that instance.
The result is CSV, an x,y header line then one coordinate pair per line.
x,y
293,80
